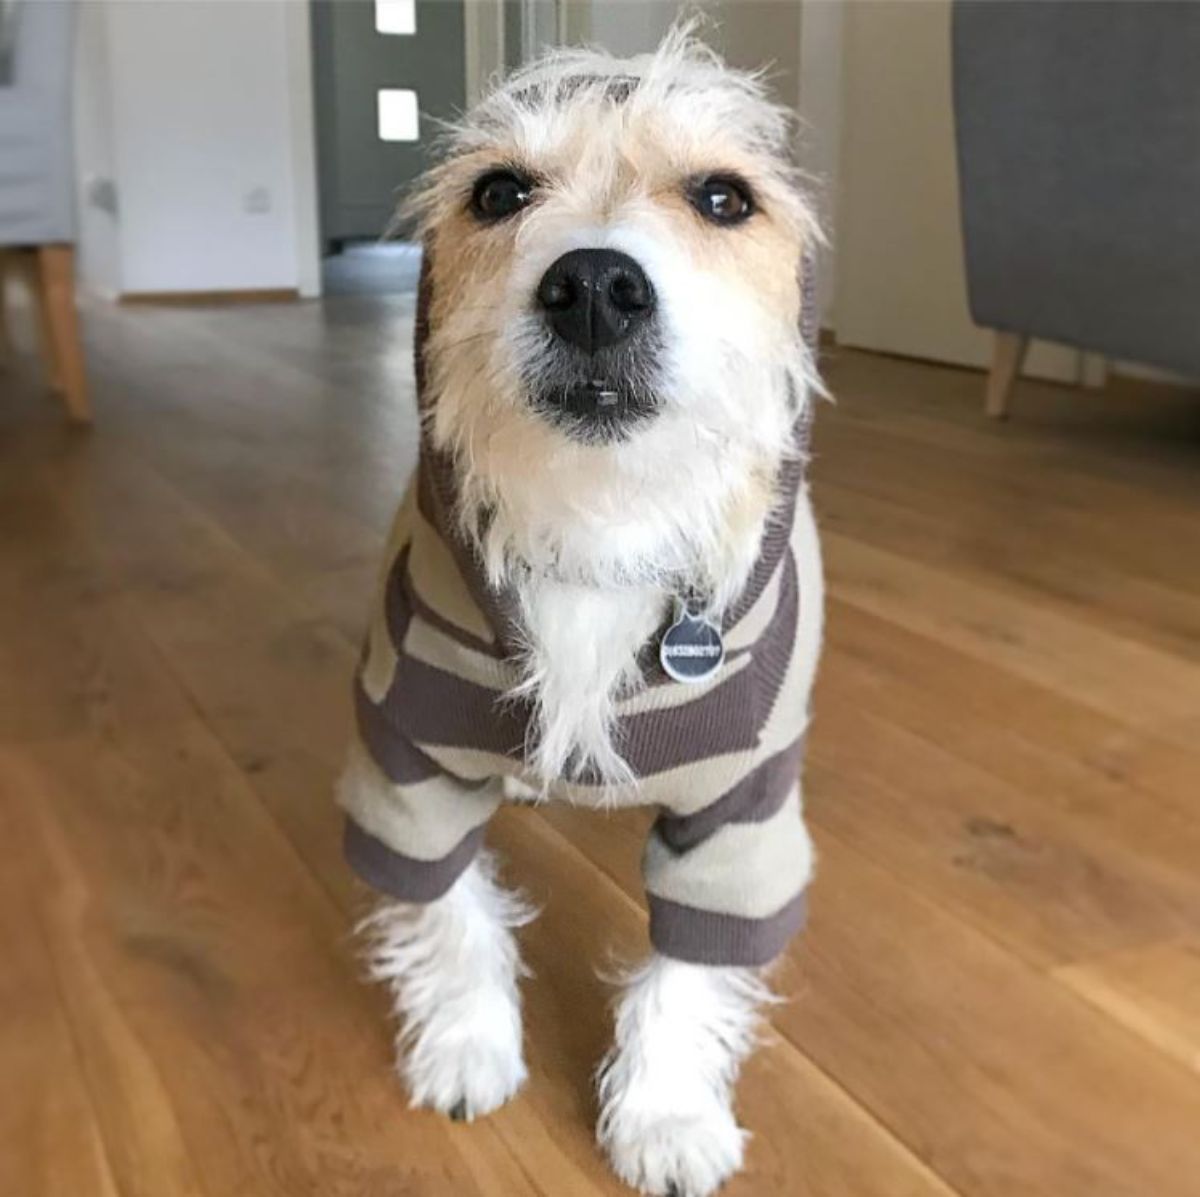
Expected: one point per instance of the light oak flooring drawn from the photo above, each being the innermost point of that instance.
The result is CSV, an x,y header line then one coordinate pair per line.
x,y
998,994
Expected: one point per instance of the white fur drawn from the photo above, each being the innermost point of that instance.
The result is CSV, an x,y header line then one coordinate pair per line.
x,y
666,1112
597,538
579,658
648,510
452,969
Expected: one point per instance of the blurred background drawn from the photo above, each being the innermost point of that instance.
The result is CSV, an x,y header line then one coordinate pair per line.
x,y
225,148
206,421
304,120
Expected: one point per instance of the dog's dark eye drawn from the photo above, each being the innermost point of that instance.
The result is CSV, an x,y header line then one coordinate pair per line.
x,y
722,199
500,193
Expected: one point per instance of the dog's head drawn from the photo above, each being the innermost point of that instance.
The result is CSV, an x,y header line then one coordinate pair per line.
x,y
615,250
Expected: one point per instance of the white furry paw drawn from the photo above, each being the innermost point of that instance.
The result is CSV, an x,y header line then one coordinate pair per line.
x,y
666,1088
675,1155
452,969
464,1071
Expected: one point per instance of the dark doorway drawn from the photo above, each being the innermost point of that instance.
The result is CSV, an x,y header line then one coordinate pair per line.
x,y
385,71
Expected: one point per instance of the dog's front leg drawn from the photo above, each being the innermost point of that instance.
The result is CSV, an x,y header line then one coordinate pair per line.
x,y
666,1087
452,967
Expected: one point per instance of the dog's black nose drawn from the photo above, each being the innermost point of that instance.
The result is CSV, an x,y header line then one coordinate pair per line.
x,y
594,298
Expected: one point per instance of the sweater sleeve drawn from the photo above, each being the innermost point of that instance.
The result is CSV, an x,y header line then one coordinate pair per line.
x,y
411,838
412,827
726,884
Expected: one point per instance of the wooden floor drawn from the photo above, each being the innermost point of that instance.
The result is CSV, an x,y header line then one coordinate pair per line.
x,y
998,995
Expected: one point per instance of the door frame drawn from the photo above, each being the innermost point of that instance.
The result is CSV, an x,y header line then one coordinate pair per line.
x,y
302,128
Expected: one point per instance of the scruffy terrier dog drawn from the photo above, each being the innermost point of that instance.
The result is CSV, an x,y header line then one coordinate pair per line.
x,y
604,584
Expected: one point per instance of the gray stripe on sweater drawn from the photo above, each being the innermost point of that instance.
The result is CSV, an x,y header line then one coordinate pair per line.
x,y
753,800
710,937
400,876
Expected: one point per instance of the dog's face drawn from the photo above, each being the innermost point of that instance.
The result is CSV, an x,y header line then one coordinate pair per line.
x,y
615,255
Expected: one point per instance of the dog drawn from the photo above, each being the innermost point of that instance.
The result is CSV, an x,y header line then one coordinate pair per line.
x,y
604,584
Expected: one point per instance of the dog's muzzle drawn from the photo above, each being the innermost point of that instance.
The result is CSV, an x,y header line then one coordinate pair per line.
x,y
598,306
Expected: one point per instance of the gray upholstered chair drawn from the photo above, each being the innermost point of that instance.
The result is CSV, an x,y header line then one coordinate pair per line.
x,y
1078,129
37,192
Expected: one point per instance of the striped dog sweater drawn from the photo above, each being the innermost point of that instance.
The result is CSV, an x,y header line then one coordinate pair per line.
x,y
727,859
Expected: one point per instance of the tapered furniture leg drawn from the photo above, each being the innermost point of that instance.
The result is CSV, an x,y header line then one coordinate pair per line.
x,y
1008,352
60,323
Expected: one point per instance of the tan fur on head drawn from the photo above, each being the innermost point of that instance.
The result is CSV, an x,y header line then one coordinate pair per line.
x,y
683,500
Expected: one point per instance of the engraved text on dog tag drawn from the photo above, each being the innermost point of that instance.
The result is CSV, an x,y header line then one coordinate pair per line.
x,y
691,649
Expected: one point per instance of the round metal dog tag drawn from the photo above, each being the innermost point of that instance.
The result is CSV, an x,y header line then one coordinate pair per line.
x,y
691,649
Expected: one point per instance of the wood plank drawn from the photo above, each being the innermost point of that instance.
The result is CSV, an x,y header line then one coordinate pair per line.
x,y
212,994
210,298
1056,473
195,634
810,1138
1150,689
270,677
312,509
1015,634
1055,883
1132,436
290,733
987,483
50,1143
1031,735
954,1044
1011,556
69,659
981,1052
1153,991
174,896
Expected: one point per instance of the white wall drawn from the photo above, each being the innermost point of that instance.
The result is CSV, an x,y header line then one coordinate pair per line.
x,y
99,262
203,97
821,50
190,105
201,119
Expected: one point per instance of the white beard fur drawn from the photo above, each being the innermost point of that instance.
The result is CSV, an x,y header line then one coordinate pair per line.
x,y
583,633
596,540
580,656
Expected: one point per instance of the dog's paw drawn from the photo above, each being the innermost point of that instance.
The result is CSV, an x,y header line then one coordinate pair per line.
x,y
452,969
684,1155
463,1075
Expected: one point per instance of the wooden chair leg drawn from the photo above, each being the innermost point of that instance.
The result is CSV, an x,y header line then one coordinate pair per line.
x,y
60,323
29,267
1008,352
